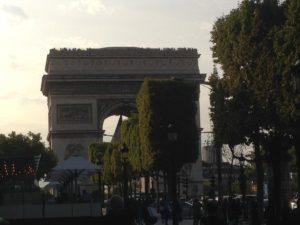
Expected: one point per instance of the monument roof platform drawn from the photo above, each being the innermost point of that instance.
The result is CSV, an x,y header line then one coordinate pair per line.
x,y
124,52
122,60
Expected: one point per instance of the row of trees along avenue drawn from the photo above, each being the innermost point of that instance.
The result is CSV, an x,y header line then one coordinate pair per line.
x,y
161,106
256,100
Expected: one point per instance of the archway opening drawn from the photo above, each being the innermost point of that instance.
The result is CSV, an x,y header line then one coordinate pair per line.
x,y
110,125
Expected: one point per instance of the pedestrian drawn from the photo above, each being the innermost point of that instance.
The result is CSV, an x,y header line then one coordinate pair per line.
x,y
197,211
212,215
166,210
117,214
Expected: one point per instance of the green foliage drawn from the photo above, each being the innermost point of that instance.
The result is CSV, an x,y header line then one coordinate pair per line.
x,y
106,169
116,162
287,49
140,160
161,103
112,164
96,152
256,45
28,146
243,45
218,109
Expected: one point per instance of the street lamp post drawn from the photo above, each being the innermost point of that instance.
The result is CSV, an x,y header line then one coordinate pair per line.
x,y
172,138
124,151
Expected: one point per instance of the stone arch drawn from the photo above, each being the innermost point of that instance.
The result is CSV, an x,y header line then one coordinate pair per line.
x,y
116,108
84,87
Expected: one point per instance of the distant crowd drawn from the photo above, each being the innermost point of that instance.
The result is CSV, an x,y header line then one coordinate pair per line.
x,y
203,212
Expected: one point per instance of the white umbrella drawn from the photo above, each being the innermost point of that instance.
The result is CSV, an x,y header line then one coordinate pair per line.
x,y
76,162
71,169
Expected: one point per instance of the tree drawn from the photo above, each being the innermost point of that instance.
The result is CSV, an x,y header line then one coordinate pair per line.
x,y
163,104
96,152
287,50
243,45
217,114
140,161
27,147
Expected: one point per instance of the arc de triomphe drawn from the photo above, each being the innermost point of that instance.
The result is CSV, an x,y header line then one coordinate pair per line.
x,y
84,87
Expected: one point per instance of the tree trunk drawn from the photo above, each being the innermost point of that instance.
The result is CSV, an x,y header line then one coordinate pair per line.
x,y
297,148
147,182
230,175
260,180
219,171
172,178
276,192
165,183
157,189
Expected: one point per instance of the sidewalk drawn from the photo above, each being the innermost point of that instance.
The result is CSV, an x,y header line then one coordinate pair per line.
x,y
183,222
190,222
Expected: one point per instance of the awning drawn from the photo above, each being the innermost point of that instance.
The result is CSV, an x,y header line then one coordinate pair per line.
x,y
74,168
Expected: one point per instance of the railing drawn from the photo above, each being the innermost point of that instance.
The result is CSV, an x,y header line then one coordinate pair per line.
x,y
26,211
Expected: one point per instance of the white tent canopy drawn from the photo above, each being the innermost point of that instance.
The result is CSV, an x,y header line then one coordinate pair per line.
x,y
76,162
75,167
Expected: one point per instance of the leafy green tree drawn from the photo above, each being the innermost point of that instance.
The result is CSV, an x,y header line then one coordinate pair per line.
x,y
96,152
163,104
287,49
130,133
106,169
217,114
28,146
243,45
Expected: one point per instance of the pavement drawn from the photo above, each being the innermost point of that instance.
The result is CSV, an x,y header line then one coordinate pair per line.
x,y
183,222
190,222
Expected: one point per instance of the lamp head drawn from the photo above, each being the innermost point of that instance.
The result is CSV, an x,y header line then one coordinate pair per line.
x,y
124,150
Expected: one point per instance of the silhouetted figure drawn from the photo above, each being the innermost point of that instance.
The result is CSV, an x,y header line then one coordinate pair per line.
x,y
117,214
212,217
148,214
295,218
197,211
166,210
286,218
254,213
234,212
85,197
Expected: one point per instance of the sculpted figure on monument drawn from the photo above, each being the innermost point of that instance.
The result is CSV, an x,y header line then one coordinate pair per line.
x,y
73,149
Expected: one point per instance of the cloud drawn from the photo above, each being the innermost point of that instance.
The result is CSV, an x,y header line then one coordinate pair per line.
x,y
16,13
11,96
206,26
36,101
8,96
91,7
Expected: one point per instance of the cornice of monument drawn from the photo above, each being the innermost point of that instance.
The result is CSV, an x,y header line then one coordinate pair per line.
x,y
122,60
88,78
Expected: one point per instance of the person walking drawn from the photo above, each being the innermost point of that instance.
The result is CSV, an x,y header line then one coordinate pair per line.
x,y
166,209
197,211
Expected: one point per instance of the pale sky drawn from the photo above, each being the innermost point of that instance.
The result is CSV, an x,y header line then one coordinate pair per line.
x,y
29,28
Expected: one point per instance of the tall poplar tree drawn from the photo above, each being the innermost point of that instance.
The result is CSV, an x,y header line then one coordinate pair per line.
x,y
165,104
